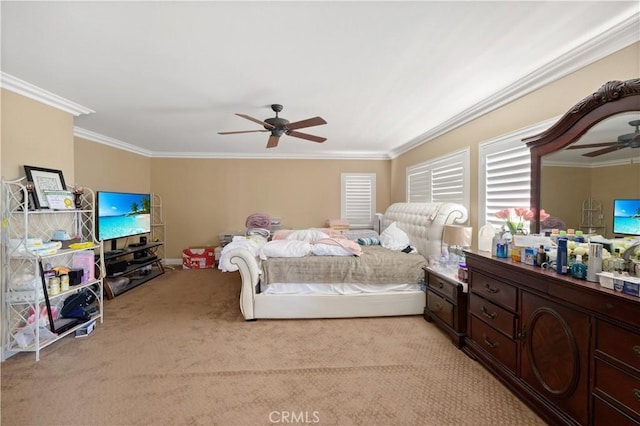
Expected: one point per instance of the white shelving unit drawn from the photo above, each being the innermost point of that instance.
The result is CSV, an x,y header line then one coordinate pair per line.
x,y
158,227
592,216
30,315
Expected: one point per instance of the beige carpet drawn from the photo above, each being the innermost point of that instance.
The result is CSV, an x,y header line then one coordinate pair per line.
x,y
177,351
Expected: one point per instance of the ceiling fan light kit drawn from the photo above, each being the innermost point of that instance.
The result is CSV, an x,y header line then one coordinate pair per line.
x,y
279,126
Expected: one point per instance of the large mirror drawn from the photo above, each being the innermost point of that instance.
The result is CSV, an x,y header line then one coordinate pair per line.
x,y
590,157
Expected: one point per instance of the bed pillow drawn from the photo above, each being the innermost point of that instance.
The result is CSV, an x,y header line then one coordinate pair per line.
x,y
285,248
307,235
394,238
281,234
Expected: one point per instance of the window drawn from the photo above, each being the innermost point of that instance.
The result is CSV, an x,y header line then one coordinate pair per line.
x,y
445,179
358,199
504,173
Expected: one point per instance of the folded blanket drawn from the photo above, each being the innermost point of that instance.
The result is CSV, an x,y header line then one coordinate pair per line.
x,y
259,220
348,246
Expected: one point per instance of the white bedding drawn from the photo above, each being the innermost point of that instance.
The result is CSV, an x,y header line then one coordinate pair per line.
x,y
342,288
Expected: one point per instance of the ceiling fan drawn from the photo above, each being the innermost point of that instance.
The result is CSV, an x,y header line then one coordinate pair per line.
x,y
629,140
280,126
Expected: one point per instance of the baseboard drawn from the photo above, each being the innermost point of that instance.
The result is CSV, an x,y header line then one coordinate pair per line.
x,y
173,262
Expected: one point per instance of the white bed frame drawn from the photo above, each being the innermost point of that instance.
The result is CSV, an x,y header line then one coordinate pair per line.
x,y
423,222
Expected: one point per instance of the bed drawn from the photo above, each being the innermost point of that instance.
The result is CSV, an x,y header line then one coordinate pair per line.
x,y
327,296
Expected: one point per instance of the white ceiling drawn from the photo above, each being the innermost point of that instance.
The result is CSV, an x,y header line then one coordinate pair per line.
x,y
164,77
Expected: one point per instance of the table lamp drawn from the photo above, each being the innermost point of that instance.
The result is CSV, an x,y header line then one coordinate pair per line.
x,y
457,237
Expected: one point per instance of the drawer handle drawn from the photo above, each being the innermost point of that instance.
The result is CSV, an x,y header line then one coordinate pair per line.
x,y
636,392
636,349
488,342
441,285
490,315
491,290
439,306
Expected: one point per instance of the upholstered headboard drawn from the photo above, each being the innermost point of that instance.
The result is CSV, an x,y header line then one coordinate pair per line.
x,y
424,223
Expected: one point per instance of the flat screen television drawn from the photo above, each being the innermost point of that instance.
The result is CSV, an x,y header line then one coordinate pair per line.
x,y
626,217
121,215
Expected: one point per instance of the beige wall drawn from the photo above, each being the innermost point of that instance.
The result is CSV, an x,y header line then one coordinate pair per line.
x,y
551,100
565,189
35,134
205,197
103,168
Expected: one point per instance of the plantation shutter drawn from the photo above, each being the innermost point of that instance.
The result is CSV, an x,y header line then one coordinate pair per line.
x,y
439,181
508,181
358,199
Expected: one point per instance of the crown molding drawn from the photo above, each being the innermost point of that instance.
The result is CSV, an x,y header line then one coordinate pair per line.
x,y
106,140
336,155
616,38
115,143
34,92
598,164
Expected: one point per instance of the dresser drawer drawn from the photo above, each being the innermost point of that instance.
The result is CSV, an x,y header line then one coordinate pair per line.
x,y
619,343
494,290
443,286
441,308
492,314
493,342
619,385
606,415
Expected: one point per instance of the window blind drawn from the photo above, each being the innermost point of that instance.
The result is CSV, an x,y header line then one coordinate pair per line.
x,y
441,180
358,199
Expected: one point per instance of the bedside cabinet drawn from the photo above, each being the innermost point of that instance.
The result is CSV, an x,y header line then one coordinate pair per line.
x,y
446,304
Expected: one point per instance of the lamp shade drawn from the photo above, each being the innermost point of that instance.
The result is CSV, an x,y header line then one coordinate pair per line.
x,y
457,235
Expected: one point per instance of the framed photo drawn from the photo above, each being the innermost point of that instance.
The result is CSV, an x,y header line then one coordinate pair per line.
x,y
44,180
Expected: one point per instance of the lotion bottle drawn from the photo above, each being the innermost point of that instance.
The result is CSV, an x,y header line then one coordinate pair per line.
x,y
579,269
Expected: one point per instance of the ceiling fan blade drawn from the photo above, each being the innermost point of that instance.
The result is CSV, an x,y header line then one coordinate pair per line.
x,y
306,136
273,141
604,151
309,122
255,120
594,145
242,131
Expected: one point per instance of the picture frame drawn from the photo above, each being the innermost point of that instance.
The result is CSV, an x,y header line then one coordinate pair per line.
x,y
44,179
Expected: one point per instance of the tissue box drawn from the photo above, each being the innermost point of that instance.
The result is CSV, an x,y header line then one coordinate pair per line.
x,y
606,279
627,285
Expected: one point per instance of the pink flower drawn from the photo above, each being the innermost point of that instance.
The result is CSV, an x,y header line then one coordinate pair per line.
x,y
516,217
543,215
503,214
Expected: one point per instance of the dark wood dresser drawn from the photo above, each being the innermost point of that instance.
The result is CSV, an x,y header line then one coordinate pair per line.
x,y
568,348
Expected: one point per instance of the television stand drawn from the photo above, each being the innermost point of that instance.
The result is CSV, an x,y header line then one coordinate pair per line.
x,y
138,264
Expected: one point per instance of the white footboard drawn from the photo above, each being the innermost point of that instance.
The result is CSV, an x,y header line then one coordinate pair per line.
x,y
243,260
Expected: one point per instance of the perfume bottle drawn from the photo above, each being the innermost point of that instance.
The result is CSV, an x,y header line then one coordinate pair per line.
x,y
579,269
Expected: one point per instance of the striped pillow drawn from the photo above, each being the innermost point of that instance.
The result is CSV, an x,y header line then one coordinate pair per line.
x,y
370,241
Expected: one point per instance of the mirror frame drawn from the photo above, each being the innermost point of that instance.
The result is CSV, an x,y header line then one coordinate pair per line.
x,y
612,98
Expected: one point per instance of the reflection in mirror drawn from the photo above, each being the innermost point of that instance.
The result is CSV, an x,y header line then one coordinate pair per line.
x,y
579,183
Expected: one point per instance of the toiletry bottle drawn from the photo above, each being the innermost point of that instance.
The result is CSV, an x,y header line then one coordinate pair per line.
x,y
541,256
579,238
561,257
579,269
494,244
